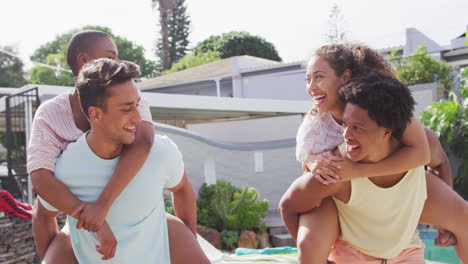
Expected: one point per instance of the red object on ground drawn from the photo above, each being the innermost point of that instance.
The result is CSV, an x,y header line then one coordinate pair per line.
x,y
11,207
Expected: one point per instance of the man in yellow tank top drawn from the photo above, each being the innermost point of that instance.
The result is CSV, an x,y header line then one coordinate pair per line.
x,y
378,216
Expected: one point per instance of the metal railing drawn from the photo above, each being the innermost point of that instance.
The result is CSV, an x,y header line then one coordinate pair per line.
x,y
19,112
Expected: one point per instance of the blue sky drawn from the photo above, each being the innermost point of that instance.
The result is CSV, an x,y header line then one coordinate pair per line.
x,y
295,27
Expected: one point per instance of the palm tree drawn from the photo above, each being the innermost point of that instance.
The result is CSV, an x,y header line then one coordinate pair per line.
x,y
164,6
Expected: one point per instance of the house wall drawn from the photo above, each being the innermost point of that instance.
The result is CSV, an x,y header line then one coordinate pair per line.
x,y
262,129
207,88
288,85
424,95
269,167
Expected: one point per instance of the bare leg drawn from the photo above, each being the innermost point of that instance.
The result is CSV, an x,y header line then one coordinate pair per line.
x,y
183,244
445,209
52,246
60,251
318,231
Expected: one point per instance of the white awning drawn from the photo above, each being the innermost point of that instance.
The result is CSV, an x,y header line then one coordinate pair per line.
x,y
194,108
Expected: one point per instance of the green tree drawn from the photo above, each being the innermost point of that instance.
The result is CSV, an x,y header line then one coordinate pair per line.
x,y
11,68
448,118
193,60
238,43
178,32
422,68
336,31
47,75
54,53
164,7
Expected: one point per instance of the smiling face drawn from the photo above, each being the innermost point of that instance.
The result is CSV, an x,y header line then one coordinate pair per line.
x,y
323,84
365,140
118,118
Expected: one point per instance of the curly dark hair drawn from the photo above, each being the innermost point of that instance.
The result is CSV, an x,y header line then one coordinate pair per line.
x,y
97,75
82,42
358,58
388,101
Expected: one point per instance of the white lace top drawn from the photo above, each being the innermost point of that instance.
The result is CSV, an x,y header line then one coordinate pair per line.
x,y
318,133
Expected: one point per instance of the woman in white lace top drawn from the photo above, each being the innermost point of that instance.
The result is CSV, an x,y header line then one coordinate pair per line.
x,y
331,67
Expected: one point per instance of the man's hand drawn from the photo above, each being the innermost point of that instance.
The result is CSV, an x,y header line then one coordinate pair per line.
x,y
445,238
107,242
91,217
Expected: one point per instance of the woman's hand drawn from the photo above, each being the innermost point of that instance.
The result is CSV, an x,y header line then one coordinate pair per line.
x,y
328,168
323,167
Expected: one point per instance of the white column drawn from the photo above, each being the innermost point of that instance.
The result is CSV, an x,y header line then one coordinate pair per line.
x,y
218,88
258,160
27,131
236,79
210,171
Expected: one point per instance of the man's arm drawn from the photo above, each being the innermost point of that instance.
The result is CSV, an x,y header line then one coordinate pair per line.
x,y
303,195
439,163
185,207
131,160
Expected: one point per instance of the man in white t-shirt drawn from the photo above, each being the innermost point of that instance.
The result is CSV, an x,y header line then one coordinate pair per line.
x,y
109,99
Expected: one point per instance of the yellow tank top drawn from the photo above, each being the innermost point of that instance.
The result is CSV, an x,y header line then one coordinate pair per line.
x,y
382,222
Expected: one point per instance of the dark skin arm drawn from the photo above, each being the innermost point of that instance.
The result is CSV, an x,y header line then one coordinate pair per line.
x,y
413,153
439,163
54,191
303,195
131,160
185,207
45,229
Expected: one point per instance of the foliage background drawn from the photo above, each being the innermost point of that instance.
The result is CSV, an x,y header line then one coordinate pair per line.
x,y
229,209
237,43
54,53
11,69
447,118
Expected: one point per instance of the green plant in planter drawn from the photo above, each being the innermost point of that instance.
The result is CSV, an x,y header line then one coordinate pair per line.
x,y
229,238
168,204
224,206
246,211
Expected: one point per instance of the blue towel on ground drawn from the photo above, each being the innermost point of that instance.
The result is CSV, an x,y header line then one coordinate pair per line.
x,y
276,250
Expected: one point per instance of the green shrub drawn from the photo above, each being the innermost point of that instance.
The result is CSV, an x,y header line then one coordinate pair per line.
x,y
422,68
229,238
168,204
449,121
224,206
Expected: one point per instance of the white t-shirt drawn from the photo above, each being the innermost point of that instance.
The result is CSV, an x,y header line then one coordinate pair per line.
x,y
137,217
